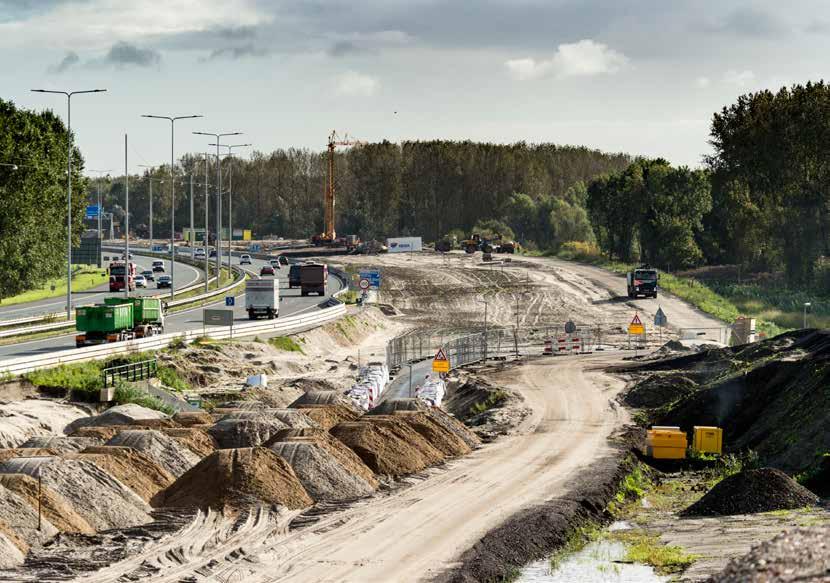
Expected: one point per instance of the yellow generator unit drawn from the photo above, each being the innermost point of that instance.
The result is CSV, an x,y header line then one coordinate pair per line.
x,y
667,443
707,439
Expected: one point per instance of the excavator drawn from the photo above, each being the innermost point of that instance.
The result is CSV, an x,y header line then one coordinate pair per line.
x,y
329,237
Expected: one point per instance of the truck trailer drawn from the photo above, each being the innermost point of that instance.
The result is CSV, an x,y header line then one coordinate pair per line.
x,y
313,278
119,319
262,298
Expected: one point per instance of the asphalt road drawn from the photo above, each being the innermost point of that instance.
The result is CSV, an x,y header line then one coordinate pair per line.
x,y
185,275
291,303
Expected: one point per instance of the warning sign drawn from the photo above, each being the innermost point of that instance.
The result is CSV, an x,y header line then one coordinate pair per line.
x,y
636,327
440,363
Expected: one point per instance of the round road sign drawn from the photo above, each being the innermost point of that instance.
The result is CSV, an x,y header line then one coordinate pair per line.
x,y
364,284
570,327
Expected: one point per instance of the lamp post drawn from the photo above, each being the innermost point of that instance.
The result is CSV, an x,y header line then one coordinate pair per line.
x,y
230,194
806,305
217,139
98,182
69,95
484,301
172,120
160,181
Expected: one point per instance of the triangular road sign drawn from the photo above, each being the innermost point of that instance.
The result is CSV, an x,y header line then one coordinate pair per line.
x,y
440,355
636,319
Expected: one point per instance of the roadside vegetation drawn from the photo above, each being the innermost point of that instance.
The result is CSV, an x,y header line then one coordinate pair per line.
x,y
85,278
285,343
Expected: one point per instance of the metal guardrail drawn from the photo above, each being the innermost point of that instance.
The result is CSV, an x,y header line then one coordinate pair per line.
x,y
131,372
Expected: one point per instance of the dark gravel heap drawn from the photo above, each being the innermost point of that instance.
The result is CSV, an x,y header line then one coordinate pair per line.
x,y
752,491
802,554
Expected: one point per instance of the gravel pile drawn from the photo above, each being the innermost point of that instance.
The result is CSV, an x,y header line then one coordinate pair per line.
x,y
191,418
100,499
316,397
802,555
62,443
752,491
20,420
54,507
335,447
236,433
10,554
383,450
7,454
164,450
327,416
153,423
391,405
452,424
132,468
22,518
441,438
294,418
322,474
119,415
196,439
402,429
234,479
102,433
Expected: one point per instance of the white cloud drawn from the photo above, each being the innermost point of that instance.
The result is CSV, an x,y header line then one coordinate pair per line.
x,y
703,82
354,84
740,79
580,59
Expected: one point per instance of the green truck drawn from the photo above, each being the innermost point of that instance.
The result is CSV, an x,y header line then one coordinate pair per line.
x,y
119,319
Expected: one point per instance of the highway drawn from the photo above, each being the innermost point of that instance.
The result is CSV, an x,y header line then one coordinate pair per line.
x,y
185,275
291,303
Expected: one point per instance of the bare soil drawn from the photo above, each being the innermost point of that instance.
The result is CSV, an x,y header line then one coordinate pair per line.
x,y
54,507
137,471
327,416
195,438
168,453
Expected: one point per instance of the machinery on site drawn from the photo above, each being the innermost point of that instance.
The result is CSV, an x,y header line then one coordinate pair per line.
x,y
329,235
262,298
122,276
313,278
642,281
670,443
119,319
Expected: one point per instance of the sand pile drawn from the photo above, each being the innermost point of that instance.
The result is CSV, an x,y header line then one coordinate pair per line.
x,y
752,491
196,439
62,443
22,518
100,499
236,433
322,474
442,439
153,423
294,418
7,454
240,405
54,507
391,405
383,450
327,416
191,418
335,447
119,415
236,478
10,553
102,433
454,425
132,468
20,420
401,428
316,397
165,451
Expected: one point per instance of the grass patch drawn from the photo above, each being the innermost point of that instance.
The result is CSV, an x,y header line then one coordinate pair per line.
x,y
349,297
82,380
645,548
86,278
494,399
285,343
125,394
577,540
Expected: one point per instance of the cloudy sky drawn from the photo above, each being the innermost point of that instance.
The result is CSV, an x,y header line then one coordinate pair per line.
x,y
639,76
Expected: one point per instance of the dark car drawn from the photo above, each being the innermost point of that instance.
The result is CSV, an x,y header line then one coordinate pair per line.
x,y
213,252
294,276
148,275
158,266
283,260
164,281
266,270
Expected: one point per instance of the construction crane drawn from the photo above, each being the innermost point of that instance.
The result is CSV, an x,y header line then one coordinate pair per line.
x,y
329,235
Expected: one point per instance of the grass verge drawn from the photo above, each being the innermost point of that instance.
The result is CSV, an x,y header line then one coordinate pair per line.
x,y
285,343
125,394
645,548
84,279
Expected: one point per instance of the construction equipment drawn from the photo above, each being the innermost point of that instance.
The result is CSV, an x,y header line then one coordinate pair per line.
x,y
665,443
329,235
707,439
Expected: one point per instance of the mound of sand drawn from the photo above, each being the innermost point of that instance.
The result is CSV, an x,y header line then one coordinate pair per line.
x,y
336,449
20,420
164,450
102,433
196,439
752,491
137,471
22,518
7,454
10,554
191,418
240,405
118,415
383,450
100,499
153,423
391,405
441,438
327,416
53,506
322,474
294,418
235,479
452,424
236,433
400,427
317,397
62,443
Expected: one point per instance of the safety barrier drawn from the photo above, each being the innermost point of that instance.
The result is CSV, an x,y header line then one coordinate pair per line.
x,y
131,372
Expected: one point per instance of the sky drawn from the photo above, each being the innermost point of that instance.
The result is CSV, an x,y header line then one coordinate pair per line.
x,y
637,76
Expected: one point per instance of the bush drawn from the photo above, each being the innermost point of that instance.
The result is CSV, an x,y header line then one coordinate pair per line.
x,y
81,380
125,394
285,343
580,251
171,378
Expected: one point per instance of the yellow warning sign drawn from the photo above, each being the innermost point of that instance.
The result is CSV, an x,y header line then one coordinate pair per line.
x,y
440,363
636,327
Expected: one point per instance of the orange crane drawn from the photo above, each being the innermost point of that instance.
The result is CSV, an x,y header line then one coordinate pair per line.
x,y
329,235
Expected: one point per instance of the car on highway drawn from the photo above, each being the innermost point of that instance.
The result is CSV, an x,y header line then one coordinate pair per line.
x,y
148,275
124,257
140,281
294,276
158,265
244,259
200,253
282,259
275,263
266,270
164,281
213,252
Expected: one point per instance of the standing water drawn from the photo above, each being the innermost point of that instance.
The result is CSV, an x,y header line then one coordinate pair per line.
x,y
599,562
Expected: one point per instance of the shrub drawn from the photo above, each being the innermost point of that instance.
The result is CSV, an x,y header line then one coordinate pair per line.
x,y
285,343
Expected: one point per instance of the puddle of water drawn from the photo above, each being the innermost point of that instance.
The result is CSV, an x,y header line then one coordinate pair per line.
x,y
593,564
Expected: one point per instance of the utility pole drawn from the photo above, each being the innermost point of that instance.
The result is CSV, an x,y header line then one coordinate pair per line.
x,y
230,192
127,221
192,231
207,228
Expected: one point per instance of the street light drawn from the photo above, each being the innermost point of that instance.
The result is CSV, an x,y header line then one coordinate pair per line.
x,y
68,95
98,182
806,305
217,138
172,120
160,181
230,195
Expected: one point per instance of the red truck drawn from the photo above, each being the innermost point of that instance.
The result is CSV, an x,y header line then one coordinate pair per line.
x,y
122,274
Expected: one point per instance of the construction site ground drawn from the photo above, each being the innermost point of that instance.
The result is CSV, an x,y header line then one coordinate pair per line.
x,y
416,527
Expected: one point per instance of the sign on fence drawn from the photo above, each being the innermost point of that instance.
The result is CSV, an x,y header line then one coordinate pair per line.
x,y
440,363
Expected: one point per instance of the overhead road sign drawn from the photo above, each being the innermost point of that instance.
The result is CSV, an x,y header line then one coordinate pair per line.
x,y
440,363
636,327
